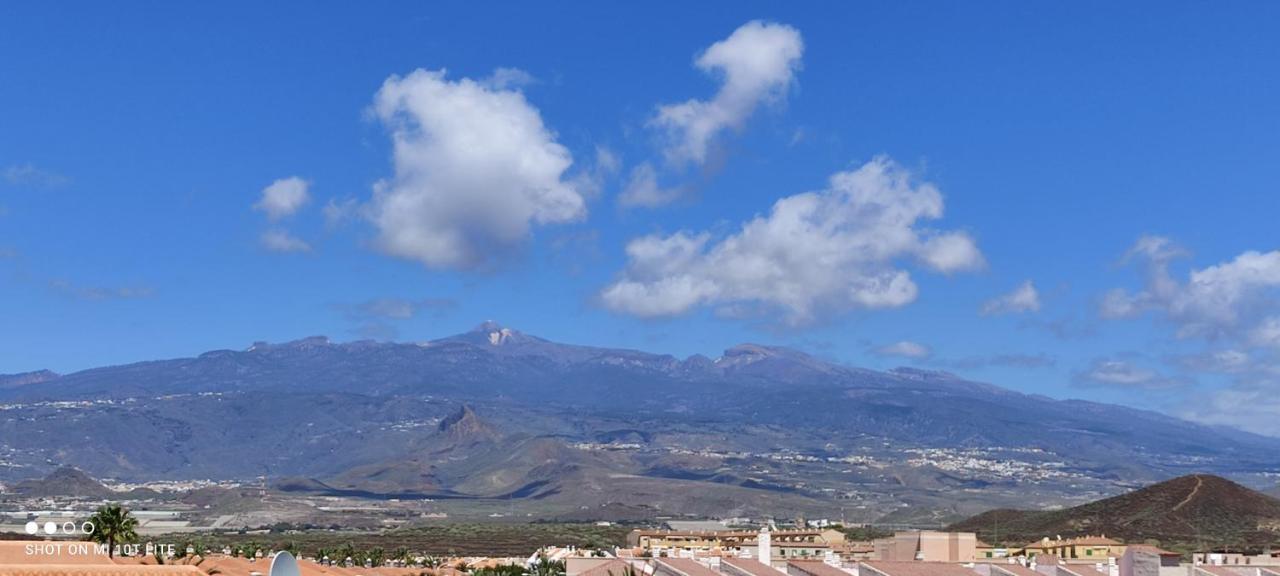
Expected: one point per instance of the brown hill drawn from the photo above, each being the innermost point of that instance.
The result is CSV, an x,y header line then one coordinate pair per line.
x,y
65,481
464,428
1192,512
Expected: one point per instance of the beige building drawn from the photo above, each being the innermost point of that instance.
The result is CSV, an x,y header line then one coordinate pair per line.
x,y
928,546
1084,547
784,544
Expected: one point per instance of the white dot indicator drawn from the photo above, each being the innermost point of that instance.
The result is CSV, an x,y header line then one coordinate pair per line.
x,y
50,528
32,527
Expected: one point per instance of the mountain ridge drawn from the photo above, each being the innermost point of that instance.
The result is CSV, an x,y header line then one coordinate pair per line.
x,y
398,417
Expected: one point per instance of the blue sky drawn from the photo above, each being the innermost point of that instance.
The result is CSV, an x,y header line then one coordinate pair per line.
x,y
1121,159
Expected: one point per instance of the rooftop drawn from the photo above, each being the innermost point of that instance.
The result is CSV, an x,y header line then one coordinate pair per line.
x,y
918,569
751,566
1223,570
818,568
686,567
1011,569
95,570
610,568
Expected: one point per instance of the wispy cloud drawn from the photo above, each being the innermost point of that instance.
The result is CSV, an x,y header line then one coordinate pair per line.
x,y
376,318
642,189
904,349
100,293
997,360
277,240
1126,373
508,79
1065,328
1024,298
28,174
284,197
339,212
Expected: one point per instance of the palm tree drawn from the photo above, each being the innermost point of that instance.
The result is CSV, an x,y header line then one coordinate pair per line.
x,y
547,567
113,524
346,552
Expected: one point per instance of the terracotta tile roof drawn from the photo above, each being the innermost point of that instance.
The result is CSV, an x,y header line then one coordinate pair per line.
x,y
918,569
1082,570
686,567
750,566
817,568
1151,550
228,566
857,546
1223,570
1013,569
609,568
97,570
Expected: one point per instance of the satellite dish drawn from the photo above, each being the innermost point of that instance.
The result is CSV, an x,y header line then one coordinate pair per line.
x,y
284,564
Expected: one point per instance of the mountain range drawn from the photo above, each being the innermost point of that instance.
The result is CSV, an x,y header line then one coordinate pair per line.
x,y
496,413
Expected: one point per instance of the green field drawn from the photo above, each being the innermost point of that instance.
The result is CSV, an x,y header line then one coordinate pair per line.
x,y
471,539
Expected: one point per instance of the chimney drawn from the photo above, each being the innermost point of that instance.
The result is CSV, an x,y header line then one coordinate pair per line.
x,y
764,546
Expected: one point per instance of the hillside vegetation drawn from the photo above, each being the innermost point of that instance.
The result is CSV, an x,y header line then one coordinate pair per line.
x,y
1191,512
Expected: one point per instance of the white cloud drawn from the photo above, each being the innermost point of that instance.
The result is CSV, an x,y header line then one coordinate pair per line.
x,y
1228,299
833,250
756,64
1233,307
283,197
283,241
1024,298
1125,374
475,169
904,349
642,189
